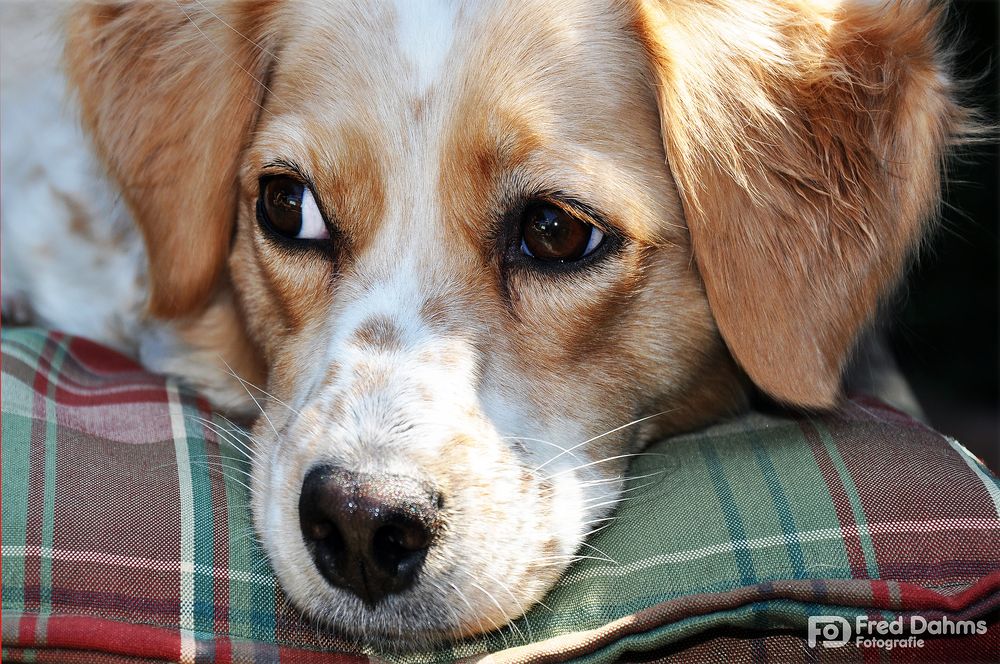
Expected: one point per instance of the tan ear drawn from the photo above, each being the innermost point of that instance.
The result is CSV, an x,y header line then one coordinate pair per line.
x,y
806,140
169,92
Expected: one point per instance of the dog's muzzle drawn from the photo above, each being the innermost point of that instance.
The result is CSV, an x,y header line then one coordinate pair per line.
x,y
368,534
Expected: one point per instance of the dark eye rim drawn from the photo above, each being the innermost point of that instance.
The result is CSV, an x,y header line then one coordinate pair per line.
x,y
275,236
611,244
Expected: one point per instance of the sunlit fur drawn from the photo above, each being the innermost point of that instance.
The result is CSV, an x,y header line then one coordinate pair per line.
x,y
765,168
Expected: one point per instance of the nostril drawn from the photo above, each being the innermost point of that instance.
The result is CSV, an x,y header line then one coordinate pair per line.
x,y
399,548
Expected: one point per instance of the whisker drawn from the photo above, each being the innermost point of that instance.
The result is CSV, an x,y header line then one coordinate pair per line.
x,y
257,403
505,615
591,546
472,612
228,437
227,56
251,444
573,558
222,467
503,586
606,433
260,389
610,522
589,504
252,42
605,460
228,478
538,440
619,478
231,462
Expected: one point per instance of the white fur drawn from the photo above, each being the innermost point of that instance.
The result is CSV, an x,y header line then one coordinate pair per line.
x,y
73,259
426,32
52,273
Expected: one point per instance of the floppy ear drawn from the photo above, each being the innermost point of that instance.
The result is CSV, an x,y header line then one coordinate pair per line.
x,y
169,92
805,138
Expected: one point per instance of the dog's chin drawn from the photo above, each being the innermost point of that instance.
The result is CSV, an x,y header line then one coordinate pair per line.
x,y
433,612
397,624
403,627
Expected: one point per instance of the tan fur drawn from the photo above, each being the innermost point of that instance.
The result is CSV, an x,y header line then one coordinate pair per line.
x,y
765,168
140,69
806,143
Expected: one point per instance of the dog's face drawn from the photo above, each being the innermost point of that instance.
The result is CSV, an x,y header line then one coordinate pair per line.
x,y
498,272
450,237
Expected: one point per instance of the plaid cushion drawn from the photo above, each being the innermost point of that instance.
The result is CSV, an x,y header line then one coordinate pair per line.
x,y
126,531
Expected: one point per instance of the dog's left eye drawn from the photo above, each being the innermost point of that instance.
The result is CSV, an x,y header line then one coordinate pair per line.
x,y
289,208
549,233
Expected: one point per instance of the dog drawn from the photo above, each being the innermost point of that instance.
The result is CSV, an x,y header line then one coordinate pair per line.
x,y
464,259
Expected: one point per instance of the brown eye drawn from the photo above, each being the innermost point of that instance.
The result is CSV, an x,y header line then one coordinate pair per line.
x,y
288,208
548,233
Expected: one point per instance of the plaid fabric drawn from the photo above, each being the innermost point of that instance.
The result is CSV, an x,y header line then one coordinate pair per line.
x,y
126,532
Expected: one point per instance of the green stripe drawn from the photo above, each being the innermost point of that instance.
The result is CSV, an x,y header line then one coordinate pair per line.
x,y
733,521
867,548
15,463
15,459
251,607
781,506
202,523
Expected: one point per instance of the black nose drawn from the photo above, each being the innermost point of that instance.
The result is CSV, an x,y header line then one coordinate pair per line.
x,y
367,533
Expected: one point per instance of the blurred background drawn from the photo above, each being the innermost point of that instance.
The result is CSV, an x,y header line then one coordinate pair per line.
x,y
947,330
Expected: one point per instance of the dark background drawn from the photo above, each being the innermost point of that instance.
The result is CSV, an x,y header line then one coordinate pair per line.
x,y
947,329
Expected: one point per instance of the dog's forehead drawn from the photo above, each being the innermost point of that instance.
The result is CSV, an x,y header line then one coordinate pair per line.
x,y
406,72
400,107
411,46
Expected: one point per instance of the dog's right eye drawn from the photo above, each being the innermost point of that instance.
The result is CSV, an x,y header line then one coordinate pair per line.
x,y
289,208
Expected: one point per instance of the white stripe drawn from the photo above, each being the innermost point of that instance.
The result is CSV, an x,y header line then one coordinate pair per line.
x,y
991,487
189,647
186,572
137,562
934,525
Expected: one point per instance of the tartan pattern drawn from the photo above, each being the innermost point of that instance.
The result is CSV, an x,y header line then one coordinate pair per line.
x,y
126,529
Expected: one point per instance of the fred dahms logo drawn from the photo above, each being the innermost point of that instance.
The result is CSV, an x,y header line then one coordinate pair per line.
x,y
899,632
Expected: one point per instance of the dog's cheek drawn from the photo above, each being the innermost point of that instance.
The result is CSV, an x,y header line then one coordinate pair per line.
x,y
574,356
679,362
643,345
252,294
279,293
502,550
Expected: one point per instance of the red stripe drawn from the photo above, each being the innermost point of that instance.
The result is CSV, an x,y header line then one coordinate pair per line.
x,y
26,629
107,636
220,514
81,633
880,594
101,360
139,395
313,657
914,597
841,502
223,650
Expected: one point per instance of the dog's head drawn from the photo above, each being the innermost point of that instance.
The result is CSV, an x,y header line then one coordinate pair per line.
x,y
483,253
